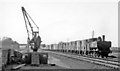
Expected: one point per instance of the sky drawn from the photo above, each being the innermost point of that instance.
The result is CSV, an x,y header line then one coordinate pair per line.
x,y
61,20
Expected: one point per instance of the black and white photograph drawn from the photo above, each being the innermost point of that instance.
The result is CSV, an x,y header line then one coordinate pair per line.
x,y
38,35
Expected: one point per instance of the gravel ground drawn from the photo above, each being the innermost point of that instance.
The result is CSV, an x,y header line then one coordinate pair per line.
x,y
73,63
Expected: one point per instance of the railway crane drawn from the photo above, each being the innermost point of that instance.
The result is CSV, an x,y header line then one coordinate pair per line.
x,y
33,58
35,41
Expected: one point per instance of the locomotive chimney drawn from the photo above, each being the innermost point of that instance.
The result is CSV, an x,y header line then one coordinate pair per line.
x,y
103,37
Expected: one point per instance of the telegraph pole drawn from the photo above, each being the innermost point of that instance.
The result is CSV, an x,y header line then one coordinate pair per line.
x,y
93,34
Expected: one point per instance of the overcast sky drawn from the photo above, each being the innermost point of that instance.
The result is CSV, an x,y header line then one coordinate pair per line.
x,y
61,20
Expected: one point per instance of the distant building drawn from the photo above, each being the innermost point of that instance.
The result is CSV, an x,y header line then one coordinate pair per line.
x,y
22,46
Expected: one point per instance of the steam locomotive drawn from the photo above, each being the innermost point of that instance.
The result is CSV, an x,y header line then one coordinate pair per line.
x,y
95,47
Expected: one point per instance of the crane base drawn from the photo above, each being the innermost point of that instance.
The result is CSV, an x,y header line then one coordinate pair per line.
x,y
37,58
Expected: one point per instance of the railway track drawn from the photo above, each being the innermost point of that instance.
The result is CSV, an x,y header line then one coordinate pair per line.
x,y
108,63
107,59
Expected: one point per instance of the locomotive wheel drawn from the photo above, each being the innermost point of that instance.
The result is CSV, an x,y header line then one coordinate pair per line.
x,y
102,56
98,55
106,55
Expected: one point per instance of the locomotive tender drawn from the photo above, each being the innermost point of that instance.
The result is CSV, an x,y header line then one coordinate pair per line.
x,y
95,47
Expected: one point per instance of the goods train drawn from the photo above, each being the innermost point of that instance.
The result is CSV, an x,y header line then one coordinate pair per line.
x,y
96,47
